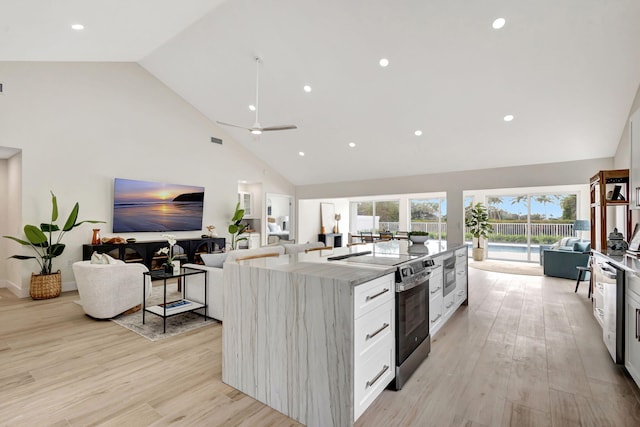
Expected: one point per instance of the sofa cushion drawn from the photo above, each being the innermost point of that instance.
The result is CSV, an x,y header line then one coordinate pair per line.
x,y
582,246
214,260
566,248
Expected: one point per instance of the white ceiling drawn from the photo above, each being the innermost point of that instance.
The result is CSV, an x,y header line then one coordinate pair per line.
x,y
568,70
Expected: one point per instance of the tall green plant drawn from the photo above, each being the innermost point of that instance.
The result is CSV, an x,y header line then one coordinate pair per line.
x,y
477,222
236,228
40,239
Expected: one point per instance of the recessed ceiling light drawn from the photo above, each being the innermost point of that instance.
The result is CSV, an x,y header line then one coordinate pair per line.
x,y
352,144
252,107
508,117
384,62
77,27
498,23
301,153
256,131
307,88
418,132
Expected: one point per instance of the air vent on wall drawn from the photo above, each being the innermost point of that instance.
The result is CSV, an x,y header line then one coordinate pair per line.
x,y
216,140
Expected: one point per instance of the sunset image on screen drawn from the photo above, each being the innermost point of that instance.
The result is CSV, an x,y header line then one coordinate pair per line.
x,y
152,206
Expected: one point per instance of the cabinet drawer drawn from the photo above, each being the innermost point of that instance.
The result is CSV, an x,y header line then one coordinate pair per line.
x,y
371,377
373,294
374,330
435,287
435,311
461,255
633,283
460,295
449,303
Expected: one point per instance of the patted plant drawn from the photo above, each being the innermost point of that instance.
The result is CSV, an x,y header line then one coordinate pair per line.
x,y
41,239
477,223
236,228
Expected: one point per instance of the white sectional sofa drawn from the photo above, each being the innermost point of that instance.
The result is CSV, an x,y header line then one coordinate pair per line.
x,y
214,264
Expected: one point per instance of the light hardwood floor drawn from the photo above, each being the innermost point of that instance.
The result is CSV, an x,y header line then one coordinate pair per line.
x,y
525,352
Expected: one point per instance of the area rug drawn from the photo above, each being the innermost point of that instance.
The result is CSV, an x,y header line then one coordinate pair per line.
x,y
524,268
152,328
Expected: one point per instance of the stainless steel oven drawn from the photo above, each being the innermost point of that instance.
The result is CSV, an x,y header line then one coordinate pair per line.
x,y
412,318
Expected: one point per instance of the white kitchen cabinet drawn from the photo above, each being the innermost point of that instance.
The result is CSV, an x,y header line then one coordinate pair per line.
x,y
632,339
634,168
374,341
246,202
436,284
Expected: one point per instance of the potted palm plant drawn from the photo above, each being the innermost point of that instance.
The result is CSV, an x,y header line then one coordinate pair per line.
x,y
236,228
477,224
47,284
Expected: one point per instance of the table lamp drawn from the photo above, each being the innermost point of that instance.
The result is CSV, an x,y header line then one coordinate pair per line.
x,y
581,225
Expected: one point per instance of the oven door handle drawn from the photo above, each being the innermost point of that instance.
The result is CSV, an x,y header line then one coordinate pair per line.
x,y
417,280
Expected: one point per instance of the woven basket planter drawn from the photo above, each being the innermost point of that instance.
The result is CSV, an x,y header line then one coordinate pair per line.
x,y
45,286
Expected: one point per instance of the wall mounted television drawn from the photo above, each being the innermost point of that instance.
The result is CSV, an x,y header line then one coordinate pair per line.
x,y
140,206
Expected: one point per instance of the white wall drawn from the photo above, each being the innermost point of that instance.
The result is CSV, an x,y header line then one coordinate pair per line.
x,y
310,221
4,193
79,125
622,158
455,183
13,268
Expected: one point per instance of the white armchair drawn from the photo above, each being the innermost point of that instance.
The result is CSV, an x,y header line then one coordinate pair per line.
x,y
107,290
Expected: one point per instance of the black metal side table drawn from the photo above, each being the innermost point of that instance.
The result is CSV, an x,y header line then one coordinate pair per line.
x,y
172,308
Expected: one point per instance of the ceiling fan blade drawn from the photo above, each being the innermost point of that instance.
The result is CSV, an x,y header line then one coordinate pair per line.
x,y
280,127
235,126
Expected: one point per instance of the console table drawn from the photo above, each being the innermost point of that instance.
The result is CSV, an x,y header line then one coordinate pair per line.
x,y
146,252
337,239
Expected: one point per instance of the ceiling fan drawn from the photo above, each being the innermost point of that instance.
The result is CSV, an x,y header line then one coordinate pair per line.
x,y
257,129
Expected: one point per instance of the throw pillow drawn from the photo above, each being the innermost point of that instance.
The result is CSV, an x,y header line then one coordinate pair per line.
x,y
214,260
109,260
582,247
97,258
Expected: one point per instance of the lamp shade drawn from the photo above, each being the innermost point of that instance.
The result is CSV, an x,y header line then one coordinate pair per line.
x,y
581,225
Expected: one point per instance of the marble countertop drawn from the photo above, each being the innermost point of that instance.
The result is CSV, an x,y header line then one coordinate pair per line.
x,y
317,263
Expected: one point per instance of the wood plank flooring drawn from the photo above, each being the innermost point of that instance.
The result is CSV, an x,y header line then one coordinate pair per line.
x,y
525,352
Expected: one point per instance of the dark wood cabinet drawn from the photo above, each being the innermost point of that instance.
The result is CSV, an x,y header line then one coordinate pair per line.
x,y
609,197
331,239
185,250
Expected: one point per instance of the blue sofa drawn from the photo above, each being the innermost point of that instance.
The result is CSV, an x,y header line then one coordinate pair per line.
x,y
562,259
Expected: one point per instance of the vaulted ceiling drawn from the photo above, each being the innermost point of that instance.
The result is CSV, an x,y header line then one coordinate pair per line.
x,y
567,70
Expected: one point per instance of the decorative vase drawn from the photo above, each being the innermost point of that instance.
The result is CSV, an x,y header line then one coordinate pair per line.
x,y
95,239
176,267
322,230
335,229
168,268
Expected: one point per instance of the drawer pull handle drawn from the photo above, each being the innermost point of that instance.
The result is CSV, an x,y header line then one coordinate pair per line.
x,y
637,318
382,328
436,319
377,377
370,297
436,289
449,305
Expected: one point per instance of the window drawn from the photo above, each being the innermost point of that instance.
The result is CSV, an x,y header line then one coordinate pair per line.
x,y
523,222
430,215
376,215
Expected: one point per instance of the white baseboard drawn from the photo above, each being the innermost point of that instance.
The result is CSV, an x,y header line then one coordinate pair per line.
x,y
24,293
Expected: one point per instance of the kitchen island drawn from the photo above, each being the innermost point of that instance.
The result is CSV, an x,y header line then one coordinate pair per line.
x,y
310,337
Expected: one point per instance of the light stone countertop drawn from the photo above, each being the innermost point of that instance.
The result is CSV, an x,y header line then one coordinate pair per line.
x,y
317,263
